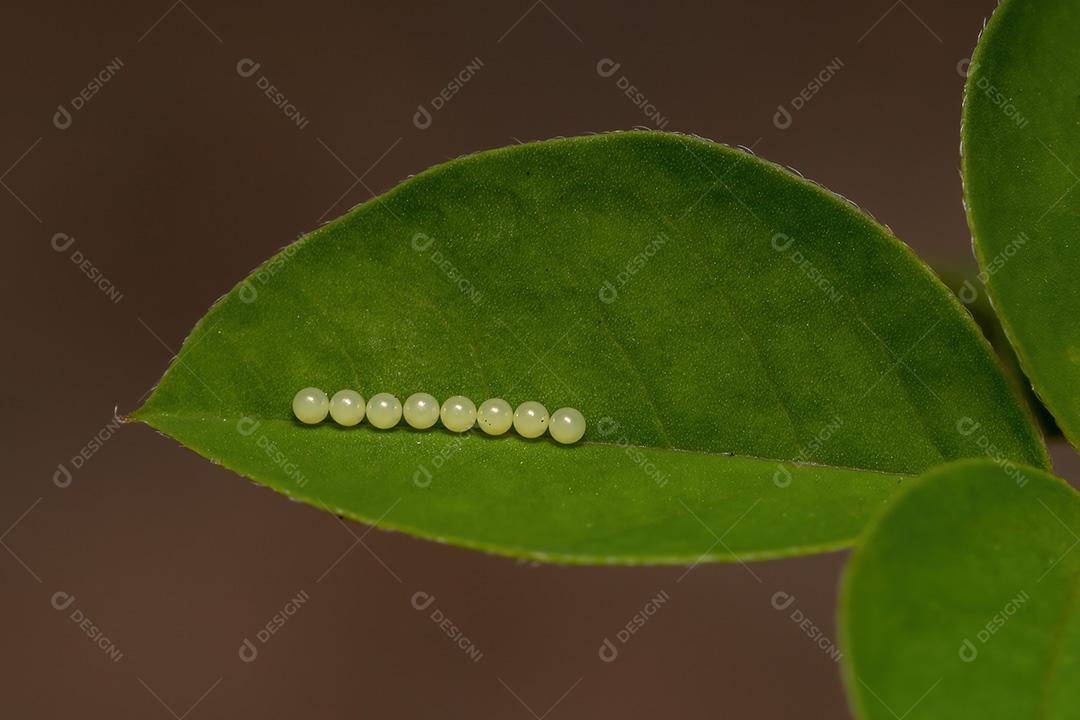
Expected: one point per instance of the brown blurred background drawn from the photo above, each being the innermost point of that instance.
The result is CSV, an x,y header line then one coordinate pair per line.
x,y
178,175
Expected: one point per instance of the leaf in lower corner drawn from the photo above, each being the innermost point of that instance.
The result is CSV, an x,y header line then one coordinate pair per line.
x,y
962,600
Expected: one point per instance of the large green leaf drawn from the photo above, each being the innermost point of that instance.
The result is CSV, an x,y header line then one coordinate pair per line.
x,y
963,600
712,315
1021,168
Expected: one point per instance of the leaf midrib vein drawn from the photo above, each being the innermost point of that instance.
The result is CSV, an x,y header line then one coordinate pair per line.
x,y
586,443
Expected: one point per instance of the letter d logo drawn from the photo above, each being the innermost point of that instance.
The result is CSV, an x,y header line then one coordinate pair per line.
x,y
247,425
608,652
62,600
607,67
61,241
965,426
782,118
781,242
248,293
62,118
967,293
422,118
782,477
62,477
248,652
247,67
422,600
608,293
422,477
782,600
607,425
421,242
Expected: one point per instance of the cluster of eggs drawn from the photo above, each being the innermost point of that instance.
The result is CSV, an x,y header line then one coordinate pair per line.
x,y
421,411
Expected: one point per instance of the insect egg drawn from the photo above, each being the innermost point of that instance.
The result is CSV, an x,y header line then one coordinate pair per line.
x,y
458,413
495,416
347,407
567,425
530,419
421,410
383,410
310,406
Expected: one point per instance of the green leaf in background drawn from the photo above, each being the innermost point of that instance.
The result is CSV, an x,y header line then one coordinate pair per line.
x,y
969,289
1021,168
963,599
760,364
